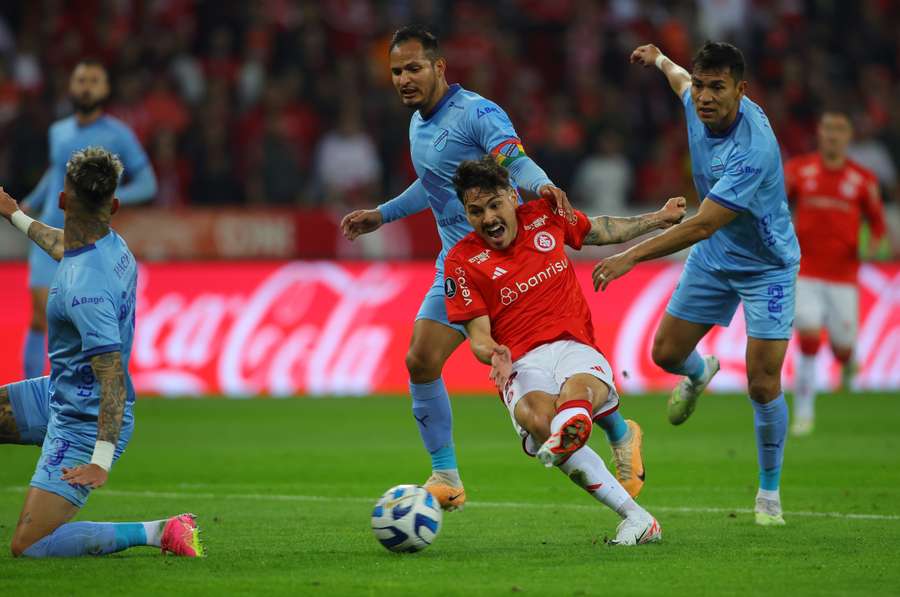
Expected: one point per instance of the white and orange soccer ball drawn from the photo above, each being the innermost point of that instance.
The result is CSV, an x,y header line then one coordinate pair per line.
x,y
407,518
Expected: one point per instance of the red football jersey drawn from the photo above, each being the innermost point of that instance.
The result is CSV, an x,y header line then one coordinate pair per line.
x,y
828,207
529,291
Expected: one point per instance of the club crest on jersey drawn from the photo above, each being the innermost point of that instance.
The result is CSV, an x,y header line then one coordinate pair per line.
x,y
440,142
481,257
544,241
717,167
538,223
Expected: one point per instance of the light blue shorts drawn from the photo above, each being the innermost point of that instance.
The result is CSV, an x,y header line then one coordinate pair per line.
x,y
62,445
433,306
709,297
41,268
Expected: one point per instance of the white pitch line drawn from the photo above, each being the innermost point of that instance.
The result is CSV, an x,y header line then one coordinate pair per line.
x,y
477,504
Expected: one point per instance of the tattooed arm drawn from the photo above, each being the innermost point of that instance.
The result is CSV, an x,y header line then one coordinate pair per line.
x,y
109,372
609,230
48,238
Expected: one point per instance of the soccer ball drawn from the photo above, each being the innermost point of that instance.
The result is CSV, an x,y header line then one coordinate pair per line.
x,y
406,519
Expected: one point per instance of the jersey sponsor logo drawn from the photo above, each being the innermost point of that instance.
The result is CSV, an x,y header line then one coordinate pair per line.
x,y
765,228
457,219
537,223
486,110
449,287
463,286
509,294
544,241
87,300
750,170
498,272
481,257
717,167
440,142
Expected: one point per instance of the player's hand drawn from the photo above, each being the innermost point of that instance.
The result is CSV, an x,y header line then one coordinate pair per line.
x,y
560,199
645,55
91,476
361,221
672,212
501,366
611,268
8,205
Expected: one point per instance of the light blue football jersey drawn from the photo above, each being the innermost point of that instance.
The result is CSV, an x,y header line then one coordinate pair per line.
x,y
90,311
66,137
463,126
741,170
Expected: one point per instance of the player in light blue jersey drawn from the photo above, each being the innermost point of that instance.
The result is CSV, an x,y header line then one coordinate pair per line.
x,y
450,125
89,126
744,250
82,414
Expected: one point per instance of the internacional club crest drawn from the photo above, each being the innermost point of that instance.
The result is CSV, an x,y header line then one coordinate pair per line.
x,y
544,241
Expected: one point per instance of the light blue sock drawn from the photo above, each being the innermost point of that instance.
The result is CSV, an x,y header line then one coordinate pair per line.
x,y
35,354
614,425
693,366
771,421
431,408
88,539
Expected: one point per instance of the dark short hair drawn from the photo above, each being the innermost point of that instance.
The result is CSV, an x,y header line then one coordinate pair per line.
x,y
484,173
836,110
719,55
89,61
93,174
421,34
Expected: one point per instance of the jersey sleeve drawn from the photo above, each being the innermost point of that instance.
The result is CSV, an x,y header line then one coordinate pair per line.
x,y
463,299
91,308
743,176
872,207
576,233
133,156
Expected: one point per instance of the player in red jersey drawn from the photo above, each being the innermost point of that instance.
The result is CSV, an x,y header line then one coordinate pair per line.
x,y
514,288
831,194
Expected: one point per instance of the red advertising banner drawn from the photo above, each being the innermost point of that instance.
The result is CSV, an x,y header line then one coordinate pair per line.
x,y
323,327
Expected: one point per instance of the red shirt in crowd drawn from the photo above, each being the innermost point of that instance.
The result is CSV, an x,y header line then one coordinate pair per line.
x,y
829,204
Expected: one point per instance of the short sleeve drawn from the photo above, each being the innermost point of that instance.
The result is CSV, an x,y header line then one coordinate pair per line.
x,y
686,100
743,176
133,156
92,310
576,233
493,131
463,299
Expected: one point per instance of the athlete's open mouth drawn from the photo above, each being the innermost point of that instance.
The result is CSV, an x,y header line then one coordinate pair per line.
x,y
707,111
495,231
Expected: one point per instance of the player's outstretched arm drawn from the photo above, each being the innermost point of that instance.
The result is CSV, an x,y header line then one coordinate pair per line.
x,y
34,200
649,55
48,238
363,221
609,230
710,218
111,375
486,350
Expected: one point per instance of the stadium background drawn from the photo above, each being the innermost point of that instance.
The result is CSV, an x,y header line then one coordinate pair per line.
x,y
266,122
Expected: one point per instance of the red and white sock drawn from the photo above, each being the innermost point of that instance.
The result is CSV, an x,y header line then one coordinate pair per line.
x,y
569,409
586,469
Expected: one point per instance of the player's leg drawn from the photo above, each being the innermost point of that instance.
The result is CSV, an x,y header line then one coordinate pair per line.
x,y
533,413
808,321
432,343
842,321
769,314
701,300
571,425
35,351
24,411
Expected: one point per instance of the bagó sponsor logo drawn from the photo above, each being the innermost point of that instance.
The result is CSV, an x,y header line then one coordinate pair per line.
x,y
486,110
85,300
544,241
509,294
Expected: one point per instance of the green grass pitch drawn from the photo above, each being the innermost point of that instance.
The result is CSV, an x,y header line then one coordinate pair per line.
x,y
284,488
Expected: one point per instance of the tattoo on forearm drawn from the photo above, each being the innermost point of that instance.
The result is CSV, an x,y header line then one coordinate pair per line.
x,y
109,372
48,238
607,230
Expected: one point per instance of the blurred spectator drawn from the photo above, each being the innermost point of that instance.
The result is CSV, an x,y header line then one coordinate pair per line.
x,y
348,169
603,179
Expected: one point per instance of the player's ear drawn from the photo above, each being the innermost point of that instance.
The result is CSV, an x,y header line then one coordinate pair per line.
x,y
440,67
62,200
115,206
742,88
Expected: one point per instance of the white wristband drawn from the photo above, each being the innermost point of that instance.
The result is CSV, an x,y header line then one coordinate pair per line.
x,y
103,455
659,60
21,221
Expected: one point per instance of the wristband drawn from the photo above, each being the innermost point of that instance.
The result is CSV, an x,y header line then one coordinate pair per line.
x,y
659,60
103,455
21,221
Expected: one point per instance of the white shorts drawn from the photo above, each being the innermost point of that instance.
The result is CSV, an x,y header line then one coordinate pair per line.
x,y
546,368
830,305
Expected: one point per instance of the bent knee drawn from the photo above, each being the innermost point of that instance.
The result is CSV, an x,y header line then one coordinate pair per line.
x,y
764,389
665,355
18,546
423,366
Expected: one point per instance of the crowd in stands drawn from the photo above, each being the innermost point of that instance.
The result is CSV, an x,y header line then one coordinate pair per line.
x,y
290,103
